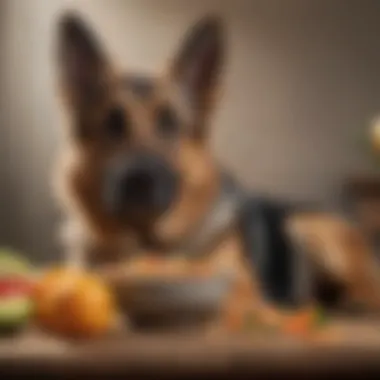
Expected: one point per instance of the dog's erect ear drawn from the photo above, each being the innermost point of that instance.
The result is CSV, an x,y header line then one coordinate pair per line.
x,y
82,63
197,66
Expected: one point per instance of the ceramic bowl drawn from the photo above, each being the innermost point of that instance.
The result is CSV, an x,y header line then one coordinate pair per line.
x,y
170,302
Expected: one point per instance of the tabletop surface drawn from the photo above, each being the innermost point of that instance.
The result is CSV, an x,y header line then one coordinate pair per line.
x,y
349,346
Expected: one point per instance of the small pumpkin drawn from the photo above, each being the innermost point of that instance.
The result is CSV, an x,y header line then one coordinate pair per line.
x,y
74,303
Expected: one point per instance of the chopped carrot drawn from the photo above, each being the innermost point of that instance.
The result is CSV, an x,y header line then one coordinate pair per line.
x,y
300,324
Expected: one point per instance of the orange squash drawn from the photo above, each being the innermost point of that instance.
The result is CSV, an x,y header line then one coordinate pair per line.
x,y
301,323
74,303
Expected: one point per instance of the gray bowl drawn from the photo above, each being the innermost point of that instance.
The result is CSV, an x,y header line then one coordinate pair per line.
x,y
169,302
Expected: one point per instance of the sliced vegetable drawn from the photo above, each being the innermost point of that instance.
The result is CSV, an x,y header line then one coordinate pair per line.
x,y
301,323
13,286
12,263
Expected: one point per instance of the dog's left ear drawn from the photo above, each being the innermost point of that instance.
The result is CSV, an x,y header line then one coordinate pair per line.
x,y
197,67
81,60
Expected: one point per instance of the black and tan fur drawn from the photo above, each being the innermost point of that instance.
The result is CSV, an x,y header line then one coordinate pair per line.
x,y
169,116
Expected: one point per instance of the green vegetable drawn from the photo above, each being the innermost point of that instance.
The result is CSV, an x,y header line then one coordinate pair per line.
x,y
14,314
15,310
320,317
12,263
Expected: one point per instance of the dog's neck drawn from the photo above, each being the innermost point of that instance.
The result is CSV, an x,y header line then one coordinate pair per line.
x,y
217,219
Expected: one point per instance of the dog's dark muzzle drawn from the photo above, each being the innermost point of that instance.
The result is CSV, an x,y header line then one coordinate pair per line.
x,y
139,186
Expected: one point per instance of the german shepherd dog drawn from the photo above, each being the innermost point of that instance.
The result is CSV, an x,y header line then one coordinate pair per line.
x,y
136,172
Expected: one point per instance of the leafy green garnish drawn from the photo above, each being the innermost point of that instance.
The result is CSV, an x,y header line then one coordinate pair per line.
x,y
320,317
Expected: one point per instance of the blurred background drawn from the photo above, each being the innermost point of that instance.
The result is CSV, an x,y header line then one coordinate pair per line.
x,y
302,82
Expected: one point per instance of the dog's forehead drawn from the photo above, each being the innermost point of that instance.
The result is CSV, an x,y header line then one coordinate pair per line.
x,y
142,86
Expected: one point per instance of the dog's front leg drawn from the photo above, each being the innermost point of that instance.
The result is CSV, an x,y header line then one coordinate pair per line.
x,y
83,252
74,241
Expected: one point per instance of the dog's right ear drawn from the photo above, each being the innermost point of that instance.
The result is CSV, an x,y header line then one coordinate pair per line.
x,y
82,63
197,68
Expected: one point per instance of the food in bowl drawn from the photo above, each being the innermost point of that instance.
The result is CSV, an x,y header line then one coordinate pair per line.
x,y
168,267
155,291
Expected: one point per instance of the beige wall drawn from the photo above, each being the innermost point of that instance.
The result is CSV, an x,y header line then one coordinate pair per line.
x,y
303,78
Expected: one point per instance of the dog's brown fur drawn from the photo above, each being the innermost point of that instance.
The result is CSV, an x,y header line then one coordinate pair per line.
x,y
340,251
81,170
88,150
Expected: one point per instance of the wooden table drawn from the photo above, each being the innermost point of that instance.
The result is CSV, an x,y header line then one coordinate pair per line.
x,y
356,349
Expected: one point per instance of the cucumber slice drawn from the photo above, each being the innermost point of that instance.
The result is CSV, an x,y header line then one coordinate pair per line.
x,y
12,262
15,311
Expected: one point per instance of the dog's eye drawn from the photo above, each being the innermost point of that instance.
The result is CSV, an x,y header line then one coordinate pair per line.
x,y
116,124
166,122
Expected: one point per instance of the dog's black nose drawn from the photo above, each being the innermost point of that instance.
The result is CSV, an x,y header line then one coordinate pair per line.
x,y
137,185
